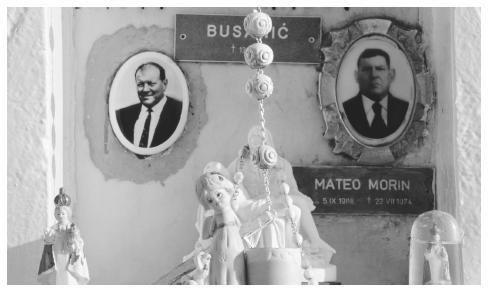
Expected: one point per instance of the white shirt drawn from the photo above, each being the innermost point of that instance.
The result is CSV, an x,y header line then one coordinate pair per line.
x,y
139,126
368,109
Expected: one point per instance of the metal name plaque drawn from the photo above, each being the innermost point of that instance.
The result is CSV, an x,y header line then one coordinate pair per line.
x,y
219,38
367,190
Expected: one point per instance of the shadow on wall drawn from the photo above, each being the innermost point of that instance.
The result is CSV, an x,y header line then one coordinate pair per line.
x,y
17,257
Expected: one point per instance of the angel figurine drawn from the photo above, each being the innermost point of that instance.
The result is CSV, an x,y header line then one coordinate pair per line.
x,y
63,261
227,266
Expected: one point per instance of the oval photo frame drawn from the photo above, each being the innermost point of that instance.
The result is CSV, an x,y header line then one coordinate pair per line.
x,y
124,104
402,90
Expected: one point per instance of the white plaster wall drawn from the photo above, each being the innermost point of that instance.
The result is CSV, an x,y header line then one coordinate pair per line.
x,y
145,228
468,130
29,142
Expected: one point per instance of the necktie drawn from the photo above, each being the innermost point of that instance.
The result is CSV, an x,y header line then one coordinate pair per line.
x,y
145,131
378,127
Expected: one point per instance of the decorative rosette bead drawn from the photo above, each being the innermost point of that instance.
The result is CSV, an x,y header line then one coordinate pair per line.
x,y
62,199
258,55
259,86
267,157
257,24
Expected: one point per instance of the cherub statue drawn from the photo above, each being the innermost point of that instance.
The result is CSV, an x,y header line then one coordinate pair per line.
x,y
438,260
63,261
199,276
227,266
281,173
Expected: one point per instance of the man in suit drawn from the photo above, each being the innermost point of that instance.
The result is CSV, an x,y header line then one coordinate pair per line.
x,y
374,112
152,121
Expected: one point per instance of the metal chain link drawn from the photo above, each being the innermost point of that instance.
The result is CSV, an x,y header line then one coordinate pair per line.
x,y
265,172
294,228
266,175
262,121
266,187
295,232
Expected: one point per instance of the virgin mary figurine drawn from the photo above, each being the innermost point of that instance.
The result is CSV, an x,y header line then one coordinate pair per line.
x,y
438,260
63,261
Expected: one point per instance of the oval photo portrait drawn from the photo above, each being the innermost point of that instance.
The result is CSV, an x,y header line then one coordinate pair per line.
x,y
148,103
375,90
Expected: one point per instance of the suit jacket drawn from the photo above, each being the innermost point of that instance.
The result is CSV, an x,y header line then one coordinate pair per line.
x,y
167,123
354,109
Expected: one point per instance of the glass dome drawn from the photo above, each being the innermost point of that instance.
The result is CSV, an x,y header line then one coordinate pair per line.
x,y
435,250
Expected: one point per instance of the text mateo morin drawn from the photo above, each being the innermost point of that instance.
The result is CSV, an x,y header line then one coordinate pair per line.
x,y
355,184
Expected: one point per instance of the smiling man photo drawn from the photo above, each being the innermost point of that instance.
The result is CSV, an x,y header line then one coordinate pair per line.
x,y
152,121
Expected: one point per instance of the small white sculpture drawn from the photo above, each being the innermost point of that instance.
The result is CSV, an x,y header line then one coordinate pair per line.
x,y
63,261
227,266
438,260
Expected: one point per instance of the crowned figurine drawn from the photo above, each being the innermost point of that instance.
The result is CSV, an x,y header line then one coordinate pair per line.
x,y
63,261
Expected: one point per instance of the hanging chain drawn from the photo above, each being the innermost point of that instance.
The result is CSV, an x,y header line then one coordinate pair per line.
x,y
266,176
266,187
262,122
265,172
294,229
266,169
